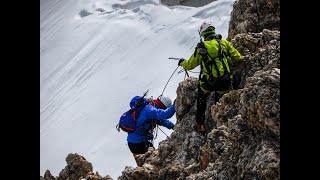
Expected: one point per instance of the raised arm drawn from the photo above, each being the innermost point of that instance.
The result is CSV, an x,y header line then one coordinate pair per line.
x,y
192,62
166,123
234,53
159,114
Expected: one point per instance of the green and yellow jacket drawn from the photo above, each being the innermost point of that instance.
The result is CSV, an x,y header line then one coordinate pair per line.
x,y
212,46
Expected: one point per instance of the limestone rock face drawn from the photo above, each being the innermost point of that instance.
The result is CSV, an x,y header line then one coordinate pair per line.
x,y
78,168
47,176
254,16
243,141
261,51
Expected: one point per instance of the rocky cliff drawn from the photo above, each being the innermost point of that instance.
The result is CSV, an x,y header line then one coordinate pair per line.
x,y
78,168
244,137
244,126
254,16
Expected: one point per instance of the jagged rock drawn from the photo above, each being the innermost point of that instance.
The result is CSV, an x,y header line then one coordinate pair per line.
x,y
244,126
258,102
96,176
140,173
78,168
244,139
261,51
47,176
176,157
248,43
254,16
185,103
194,3
246,144
245,123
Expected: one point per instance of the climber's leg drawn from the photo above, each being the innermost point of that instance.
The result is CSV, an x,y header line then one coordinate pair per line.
x,y
139,148
201,108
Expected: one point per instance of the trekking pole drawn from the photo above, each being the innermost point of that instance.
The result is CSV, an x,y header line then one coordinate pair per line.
x,y
182,70
164,133
169,80
187,73
174,58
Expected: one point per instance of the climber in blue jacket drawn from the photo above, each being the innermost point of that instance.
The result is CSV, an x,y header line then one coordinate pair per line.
x,y
155,112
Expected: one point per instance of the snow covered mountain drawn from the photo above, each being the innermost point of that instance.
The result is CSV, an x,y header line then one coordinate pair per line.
x,y
96,55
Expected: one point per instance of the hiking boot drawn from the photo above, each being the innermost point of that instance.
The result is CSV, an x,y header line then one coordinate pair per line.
x,y
200,128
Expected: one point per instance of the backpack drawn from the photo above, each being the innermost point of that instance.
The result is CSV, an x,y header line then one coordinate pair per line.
x,y
222,82
128,119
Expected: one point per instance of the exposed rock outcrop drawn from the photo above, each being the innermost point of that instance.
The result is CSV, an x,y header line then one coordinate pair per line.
x,y
244,126
244,143
47,176
254,16
261,52
77,168
243,140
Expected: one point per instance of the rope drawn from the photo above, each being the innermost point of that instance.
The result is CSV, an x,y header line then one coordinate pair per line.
x,y
169,80
185,76
182,70
186,73
163,132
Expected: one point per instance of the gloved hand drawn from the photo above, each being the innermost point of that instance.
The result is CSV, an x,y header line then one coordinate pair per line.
x,y
180,61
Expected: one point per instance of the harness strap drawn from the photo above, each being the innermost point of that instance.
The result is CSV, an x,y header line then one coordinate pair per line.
x,y
221,56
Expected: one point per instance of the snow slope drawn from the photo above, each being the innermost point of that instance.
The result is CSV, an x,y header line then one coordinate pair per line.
x,y
96,55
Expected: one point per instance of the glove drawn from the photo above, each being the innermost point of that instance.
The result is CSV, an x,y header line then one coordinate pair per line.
x,y
180,61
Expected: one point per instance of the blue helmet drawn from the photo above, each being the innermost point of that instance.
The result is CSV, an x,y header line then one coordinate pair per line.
x,y
137,101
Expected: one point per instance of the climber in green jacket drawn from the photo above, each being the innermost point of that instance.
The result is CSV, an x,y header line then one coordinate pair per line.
x,y
214,55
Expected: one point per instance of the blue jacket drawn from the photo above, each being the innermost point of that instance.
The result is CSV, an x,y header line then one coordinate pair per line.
x,y
147,116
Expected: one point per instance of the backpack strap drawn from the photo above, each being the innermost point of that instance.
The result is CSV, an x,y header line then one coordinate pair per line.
x,y
221,55
208,62
134,115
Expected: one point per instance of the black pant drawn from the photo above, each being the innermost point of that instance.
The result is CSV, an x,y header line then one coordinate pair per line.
x,y
140,148
202,103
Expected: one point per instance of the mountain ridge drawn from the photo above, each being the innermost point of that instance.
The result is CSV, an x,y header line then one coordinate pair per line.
x,y
244,126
